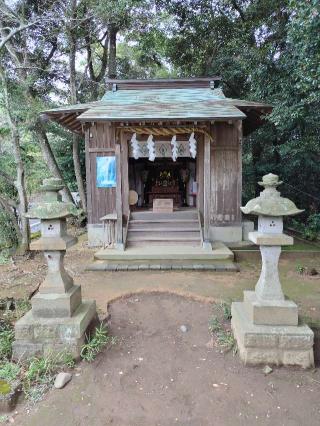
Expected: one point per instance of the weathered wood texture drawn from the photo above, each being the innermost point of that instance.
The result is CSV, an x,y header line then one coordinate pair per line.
x,y
119,209
100,141
124,138
226,173
161,83
199,172
206,188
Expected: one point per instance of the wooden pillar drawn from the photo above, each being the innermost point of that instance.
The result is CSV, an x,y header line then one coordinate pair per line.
x,y
88,175
239,184
124,172
199,167
119,210
206,189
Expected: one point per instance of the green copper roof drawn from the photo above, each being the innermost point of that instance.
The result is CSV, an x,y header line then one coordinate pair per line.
x,y
161,100
163,104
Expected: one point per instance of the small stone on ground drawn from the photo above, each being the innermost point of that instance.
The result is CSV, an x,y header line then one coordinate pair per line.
x,y
62,379
267,370
183,328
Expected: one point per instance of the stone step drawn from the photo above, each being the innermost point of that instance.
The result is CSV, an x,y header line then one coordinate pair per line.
x,y
163,244
174,252
164,224
157,230
165,236
179,214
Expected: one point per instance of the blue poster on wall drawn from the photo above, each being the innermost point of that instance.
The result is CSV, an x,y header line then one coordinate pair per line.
x,y
106,172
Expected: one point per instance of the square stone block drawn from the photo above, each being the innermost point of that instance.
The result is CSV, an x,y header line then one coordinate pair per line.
x,y
53,243
280,345
56,305
270,239
269,312
53,334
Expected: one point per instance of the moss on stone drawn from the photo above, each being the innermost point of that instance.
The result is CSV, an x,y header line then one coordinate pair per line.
x,y
5,388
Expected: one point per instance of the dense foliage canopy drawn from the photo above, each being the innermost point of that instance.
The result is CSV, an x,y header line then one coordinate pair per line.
x,y
54,52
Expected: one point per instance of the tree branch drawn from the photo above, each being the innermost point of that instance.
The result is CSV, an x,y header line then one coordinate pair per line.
x,y
13,32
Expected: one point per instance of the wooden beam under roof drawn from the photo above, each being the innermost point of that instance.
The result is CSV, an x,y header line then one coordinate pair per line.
x,y
161,83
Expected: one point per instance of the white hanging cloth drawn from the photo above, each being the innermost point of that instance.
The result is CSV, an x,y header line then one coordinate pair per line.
x,y
151,148
193,145
135,147
174,148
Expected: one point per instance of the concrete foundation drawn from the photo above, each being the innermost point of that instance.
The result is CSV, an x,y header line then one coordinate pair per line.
x,y
271,344
226,234
39,337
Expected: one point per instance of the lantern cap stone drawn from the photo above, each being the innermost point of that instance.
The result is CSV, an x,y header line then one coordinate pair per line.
x,y
52,207
270,202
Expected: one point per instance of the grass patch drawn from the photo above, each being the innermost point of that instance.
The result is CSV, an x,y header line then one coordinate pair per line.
x,y
225,307
40,372
6,340
219,327
9,371
96,342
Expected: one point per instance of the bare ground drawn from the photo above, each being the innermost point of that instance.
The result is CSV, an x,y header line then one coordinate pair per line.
x,y
158,375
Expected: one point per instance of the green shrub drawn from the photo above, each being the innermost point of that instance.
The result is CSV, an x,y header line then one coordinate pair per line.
x,y
311,230
8,235
95,343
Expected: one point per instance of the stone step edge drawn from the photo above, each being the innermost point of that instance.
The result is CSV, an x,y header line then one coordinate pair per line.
x,y
227,266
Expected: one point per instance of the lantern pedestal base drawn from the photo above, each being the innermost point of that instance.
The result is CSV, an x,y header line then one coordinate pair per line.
x,y
271,344
40,336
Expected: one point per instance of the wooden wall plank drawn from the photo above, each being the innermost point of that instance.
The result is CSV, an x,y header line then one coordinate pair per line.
x,y
226,175
101,143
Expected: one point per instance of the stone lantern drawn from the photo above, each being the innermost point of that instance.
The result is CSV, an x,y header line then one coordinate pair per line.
x,y
59,318
265,324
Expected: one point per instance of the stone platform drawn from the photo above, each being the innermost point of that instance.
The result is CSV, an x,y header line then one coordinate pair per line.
x,y
38,337
271,344
177,257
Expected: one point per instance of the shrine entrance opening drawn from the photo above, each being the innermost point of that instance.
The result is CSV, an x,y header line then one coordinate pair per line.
x,y
163,178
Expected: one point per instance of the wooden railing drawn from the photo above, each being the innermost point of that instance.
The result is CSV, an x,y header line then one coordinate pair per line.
x,y
126,230
200,226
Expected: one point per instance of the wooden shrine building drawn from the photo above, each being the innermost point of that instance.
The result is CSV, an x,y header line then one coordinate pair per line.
x,y
163,162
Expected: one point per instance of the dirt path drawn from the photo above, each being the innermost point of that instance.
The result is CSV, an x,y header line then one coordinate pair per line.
x,y
159,375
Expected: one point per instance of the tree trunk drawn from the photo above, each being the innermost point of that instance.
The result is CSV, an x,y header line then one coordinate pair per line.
x,y
257,150
19,183
112,62
8,209
73,99
77,171
50,158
